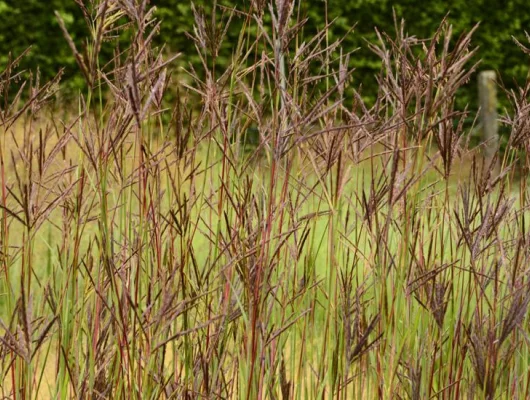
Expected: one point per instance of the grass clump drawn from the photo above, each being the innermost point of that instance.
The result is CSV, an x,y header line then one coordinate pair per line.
x,y
354,251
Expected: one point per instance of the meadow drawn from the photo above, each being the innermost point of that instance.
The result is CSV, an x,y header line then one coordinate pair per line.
x,y
260,231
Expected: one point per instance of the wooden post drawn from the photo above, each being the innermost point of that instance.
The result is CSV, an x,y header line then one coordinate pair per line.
x,y
487,91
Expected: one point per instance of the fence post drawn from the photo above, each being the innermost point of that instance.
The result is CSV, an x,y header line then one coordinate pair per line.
x,y
487,90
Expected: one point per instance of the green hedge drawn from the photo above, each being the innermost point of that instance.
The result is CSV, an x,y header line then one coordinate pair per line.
x,y
32,22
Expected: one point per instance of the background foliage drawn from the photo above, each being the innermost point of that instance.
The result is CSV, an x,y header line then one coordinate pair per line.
x,y
33,23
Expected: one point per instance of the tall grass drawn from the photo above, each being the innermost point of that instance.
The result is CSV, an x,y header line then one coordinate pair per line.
x,y
156,249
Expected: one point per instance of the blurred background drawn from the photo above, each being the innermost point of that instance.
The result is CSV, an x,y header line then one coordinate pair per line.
x,y
33,23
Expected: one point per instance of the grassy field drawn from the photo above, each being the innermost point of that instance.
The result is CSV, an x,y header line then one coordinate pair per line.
x,y
263,233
